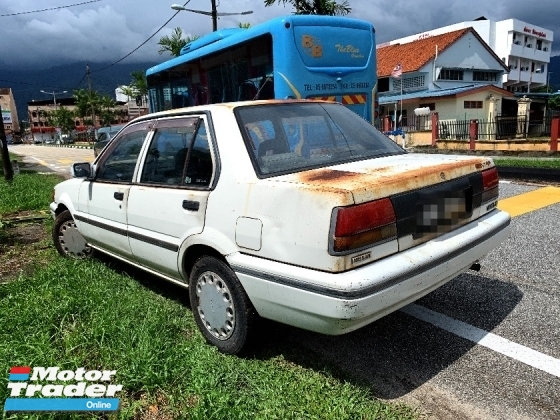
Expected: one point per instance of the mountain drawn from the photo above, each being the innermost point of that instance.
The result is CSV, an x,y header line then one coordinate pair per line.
x,y
27,84
554,70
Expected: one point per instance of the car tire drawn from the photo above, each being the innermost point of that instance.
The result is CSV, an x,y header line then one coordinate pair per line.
x,y
221,308
67,239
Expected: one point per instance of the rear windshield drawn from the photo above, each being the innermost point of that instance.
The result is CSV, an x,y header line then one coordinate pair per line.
x,y
291,137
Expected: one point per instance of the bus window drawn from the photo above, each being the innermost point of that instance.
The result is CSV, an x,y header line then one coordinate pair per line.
x,y
295,57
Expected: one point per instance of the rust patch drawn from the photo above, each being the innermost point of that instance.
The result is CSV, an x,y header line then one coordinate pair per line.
x,y
384,181
328,175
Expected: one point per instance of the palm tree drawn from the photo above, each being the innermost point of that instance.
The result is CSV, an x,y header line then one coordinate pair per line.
x,y
175,42
139,82
61,117
107,110
87,105
315,7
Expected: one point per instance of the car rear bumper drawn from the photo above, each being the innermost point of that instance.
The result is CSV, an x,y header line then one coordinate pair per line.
x,y
337,303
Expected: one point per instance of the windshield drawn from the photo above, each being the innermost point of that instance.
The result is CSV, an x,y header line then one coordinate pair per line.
x,y
284,138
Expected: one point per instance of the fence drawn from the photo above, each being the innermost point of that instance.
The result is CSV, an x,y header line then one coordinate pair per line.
x,y
499,128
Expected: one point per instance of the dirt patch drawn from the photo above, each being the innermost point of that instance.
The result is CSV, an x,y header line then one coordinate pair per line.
x,y
20,248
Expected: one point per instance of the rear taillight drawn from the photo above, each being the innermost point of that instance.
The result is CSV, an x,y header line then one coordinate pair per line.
x,y
363,225
490,184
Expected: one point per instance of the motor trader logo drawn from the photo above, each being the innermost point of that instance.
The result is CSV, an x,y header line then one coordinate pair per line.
x,y
70,390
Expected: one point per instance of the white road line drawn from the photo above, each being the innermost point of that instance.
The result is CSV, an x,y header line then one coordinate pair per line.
x,y
484,338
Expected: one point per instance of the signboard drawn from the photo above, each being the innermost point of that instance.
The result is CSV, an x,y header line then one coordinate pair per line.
x,y
6,116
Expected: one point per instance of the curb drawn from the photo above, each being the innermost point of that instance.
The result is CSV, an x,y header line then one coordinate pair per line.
x,y
516,172
70,146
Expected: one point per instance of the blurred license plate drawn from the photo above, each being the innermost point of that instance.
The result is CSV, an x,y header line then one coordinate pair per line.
x,y
441,214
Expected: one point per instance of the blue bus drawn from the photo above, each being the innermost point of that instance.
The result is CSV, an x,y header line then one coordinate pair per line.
x,y
301,57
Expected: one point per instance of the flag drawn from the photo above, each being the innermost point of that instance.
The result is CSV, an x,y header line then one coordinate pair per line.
x,y
397,71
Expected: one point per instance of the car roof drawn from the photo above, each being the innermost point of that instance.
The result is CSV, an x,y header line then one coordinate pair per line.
x,y
224,105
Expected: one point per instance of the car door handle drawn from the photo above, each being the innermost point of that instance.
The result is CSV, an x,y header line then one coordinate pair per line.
x,y
118,196
191,205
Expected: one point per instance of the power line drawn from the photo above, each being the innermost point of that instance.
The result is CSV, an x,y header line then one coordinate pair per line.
x,y
142,44
51,8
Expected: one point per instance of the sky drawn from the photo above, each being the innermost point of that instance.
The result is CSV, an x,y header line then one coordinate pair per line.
x,y
107,30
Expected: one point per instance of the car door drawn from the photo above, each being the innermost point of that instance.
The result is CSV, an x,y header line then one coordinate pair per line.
x,y
168,204
103,200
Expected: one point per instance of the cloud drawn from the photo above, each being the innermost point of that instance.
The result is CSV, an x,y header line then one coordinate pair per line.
x,y
106,31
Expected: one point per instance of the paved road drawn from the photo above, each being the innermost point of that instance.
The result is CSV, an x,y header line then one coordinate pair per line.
x,y
484,346
51,158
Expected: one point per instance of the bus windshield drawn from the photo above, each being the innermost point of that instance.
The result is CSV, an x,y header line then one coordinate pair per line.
x,y
300,57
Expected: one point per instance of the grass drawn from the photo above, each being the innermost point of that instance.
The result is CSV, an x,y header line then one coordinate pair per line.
x,y
26,192
99,314
528,162
86,314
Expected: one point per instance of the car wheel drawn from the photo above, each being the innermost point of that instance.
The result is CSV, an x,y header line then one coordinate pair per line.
x,y
67,239
221,308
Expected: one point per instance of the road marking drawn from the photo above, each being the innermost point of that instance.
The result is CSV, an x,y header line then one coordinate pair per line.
x,y
494,342
531,201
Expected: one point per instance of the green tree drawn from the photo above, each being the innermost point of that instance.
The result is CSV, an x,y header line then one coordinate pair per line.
x,y
61,117
554,102
315,7
175,42
106,110
139,82
87,103
246,25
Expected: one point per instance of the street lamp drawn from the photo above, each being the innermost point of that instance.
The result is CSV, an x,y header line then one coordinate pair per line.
x,y
548,81
214,13
54,95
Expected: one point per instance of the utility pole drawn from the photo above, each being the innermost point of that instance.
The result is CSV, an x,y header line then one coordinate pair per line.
x,y
91,102
8,171
214,16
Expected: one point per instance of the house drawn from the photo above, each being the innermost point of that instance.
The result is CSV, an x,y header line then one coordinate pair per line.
x,y
455,74
525,48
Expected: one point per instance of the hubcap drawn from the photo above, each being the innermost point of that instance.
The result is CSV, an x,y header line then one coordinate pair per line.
x,y
72,241
215,305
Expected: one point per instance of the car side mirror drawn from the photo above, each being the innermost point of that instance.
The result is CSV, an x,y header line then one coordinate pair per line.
x,y
82,170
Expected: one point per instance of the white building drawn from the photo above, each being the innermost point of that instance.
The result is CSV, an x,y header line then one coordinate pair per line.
x,y
136,106
523,47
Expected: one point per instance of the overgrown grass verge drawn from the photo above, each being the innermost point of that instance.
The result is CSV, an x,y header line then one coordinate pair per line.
x,y
528,163
85,314
27,191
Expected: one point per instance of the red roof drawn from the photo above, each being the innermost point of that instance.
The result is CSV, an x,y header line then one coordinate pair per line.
x,y
416,54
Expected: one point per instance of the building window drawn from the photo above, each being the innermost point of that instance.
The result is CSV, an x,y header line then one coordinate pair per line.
x,y
484,76
410,83
539,44
447,74
430,105
473,105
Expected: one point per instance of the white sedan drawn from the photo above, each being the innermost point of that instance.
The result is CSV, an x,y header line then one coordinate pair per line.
x,y
296,211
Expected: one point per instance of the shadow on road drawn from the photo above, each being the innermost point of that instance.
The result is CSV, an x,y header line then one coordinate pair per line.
x,y
398,353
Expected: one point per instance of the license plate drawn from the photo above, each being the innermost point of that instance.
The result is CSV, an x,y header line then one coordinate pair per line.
x,y
441,214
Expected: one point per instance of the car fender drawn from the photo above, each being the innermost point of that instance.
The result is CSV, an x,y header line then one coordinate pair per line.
x,y
209,237
66,201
